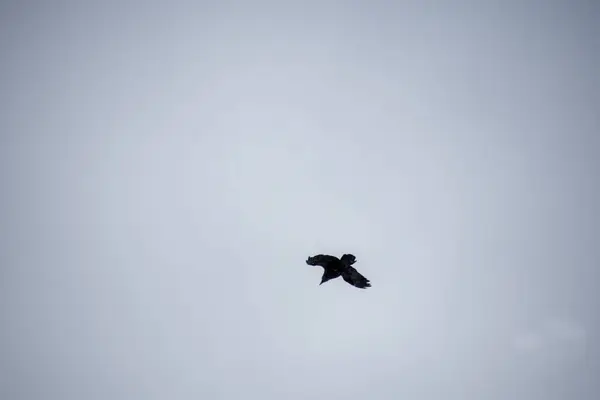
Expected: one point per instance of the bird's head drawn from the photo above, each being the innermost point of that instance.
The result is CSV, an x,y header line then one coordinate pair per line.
x,y
312,261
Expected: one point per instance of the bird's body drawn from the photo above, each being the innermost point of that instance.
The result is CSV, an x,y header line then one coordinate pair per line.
x,y
335,267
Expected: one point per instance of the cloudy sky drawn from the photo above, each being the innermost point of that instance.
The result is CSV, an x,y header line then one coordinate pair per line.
x,y
166,170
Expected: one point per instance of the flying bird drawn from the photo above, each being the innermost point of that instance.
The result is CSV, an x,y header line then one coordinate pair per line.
x,y
335,267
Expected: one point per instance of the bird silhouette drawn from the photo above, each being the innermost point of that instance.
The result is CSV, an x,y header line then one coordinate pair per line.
x,y
335,267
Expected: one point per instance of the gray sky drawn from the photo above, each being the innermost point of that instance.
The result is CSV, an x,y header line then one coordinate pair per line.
x,y
166,170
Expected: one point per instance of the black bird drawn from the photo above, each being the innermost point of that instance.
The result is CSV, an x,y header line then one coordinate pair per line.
x,y
334,267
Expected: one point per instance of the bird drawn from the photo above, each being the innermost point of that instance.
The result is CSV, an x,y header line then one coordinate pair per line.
x,y
335,267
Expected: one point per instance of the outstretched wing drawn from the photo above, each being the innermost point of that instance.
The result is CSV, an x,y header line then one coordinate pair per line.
x,y
329,274
353,277
321,259
348,259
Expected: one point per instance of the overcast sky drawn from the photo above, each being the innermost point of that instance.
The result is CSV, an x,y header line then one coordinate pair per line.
x,y
166,170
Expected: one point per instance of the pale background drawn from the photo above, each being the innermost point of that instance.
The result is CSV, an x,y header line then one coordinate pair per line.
x,y
166,169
